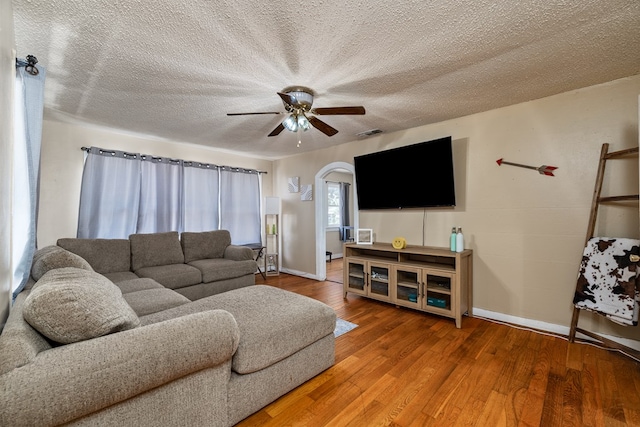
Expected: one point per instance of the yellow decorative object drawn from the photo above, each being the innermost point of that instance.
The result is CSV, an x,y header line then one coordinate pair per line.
x,y
399,243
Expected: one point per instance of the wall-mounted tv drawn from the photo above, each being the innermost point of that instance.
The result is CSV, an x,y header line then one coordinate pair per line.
x,y
414,176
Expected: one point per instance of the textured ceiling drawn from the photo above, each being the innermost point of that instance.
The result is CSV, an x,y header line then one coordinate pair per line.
x,y
174,68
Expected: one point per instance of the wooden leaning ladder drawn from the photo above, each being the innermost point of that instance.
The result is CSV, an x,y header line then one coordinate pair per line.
x,y
595,204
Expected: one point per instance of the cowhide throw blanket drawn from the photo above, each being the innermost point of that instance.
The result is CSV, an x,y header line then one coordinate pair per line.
x,y
608,279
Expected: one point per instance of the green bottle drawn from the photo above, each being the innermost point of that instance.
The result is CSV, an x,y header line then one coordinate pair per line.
x,y
452,240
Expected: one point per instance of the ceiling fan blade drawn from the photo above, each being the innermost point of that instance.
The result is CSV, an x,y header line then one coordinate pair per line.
x,y
338,110
277,130
288,99
322,126
249,114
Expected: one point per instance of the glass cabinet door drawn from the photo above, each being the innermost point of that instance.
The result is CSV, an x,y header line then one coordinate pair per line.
x,y
378,275
408,284
438,292
355,277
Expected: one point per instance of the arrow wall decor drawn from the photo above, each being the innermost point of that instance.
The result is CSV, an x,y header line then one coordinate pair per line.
x,y
543,170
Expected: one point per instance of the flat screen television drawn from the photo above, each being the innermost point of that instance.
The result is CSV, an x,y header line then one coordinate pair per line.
x,y
414,176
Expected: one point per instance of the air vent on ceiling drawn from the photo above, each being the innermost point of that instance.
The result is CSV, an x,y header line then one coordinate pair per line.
x,y
368,133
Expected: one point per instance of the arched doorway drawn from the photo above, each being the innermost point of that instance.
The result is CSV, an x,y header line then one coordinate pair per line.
x,y
321,209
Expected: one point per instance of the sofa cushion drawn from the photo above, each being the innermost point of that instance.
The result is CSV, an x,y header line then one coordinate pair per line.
x,y
20,343
204,245
273,323
104,255
150,250
120,276
69,304
151,301
172,276
137,284
52,257
220,268
238,253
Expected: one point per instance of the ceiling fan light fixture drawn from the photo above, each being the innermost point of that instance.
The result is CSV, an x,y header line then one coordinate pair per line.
x,y
304,99
291,123
302,94
303,123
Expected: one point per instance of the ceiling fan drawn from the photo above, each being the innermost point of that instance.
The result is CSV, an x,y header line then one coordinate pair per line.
x,y
297,103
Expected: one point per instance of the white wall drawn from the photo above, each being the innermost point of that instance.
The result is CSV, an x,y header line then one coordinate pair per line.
x,y
7,77
62,163
527,230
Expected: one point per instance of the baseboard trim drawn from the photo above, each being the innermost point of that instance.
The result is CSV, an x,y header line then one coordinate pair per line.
x,y
299,273
537,325
547,327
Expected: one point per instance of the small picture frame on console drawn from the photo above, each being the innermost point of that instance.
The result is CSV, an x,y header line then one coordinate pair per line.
x,y
364,236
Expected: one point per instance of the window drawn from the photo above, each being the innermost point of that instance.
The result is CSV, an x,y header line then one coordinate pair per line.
x,y
126,193
333,205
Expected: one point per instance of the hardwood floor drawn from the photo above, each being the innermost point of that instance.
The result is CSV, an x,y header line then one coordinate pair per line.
x,y
404,368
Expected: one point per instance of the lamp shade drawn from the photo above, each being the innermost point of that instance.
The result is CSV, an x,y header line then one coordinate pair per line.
x,y
291,123
303,123
272,205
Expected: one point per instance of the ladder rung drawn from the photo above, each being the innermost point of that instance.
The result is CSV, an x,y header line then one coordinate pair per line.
x,y
621,153
618,198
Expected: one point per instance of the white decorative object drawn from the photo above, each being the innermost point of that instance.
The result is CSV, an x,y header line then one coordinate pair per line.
x,y
459,240
364,236
306,192
272,205
294,184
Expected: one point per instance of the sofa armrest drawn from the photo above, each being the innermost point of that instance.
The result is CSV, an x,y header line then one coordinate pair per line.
x,y
74,380
238,253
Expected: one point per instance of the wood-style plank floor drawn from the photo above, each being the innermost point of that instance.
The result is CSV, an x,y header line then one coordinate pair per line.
x,y
404,368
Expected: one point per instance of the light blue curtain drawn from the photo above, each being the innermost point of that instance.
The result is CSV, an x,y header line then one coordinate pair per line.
x,y
160,195
110,194
201,194
240,205
126,193
28,138
344,212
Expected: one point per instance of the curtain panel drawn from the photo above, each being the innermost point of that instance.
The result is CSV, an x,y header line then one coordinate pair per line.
x,y
127,193
109,195
201,197
27,141
161,182
240,205
344,212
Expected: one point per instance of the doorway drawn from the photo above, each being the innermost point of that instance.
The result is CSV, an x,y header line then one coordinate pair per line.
x,y
321,209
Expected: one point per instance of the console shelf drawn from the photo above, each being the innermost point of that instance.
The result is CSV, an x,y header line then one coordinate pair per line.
x,y
425,278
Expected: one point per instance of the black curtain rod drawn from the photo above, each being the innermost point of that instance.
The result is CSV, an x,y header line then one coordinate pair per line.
x,y
29,64
143,156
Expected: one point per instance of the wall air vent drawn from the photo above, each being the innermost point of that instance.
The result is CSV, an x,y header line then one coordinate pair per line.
x,y
367,133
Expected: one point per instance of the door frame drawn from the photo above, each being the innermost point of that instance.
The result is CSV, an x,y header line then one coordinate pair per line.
x,y
321,209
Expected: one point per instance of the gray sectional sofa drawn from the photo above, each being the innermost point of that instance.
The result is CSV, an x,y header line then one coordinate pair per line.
x,y
89,342
195,265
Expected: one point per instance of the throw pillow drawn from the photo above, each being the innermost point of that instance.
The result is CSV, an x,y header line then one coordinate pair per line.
x,y
52,257
69,305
